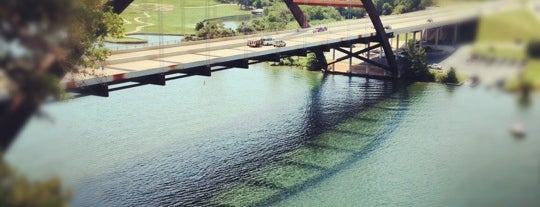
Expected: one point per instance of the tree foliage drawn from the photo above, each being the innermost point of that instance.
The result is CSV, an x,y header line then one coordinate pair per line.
x,y
451,76
313,63
16,190
415,62
46,39
386,7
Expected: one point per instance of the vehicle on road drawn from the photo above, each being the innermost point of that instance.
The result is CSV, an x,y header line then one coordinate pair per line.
x,y
320,29
257,12
254,43
435,66
279,43
267,41
430,20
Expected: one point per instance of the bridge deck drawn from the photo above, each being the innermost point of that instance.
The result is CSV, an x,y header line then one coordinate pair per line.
x,y
130,64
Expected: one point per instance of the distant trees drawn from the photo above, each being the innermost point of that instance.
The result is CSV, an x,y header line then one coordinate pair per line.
x,y
212,29
276,18
386,7
320,13
352,13
248,4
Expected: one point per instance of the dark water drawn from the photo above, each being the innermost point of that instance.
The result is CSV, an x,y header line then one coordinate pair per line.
x,y
286,137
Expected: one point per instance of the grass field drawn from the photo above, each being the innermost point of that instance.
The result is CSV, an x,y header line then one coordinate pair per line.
x,y
173,16
517,25
505,36
531,74
500,51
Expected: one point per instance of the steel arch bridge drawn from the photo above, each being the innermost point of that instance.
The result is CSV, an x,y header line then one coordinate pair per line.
x,y
381,37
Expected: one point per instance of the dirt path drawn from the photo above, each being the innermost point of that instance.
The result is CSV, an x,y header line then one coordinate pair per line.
x,y
145,24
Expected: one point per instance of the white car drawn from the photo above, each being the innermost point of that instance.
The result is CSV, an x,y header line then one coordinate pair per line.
x,y
267,41
435,66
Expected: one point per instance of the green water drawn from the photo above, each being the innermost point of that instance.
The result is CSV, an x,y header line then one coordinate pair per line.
x,y
452,148
284,137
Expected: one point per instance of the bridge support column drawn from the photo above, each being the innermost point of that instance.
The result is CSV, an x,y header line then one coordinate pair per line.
x,y
397,42
421,37
454,41
368,57
319,54
414,37
350,59
437,37
333,58
406,39
381,36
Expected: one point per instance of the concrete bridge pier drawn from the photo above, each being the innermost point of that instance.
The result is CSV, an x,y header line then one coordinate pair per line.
x,y
437,34
368,57
397,42
454,40
414,37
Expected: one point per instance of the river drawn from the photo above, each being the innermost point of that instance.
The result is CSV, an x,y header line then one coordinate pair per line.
x,y
287,137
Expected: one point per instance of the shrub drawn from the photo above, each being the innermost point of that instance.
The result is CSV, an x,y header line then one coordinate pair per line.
x,y
313,63
533,49
451,76
415,63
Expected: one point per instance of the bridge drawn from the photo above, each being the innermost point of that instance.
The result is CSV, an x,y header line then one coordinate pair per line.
x,y
156,65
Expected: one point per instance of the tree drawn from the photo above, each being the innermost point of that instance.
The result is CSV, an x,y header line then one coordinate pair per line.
x,y
313,63
350,13
415,63
387,9
41,42
451,76
16,190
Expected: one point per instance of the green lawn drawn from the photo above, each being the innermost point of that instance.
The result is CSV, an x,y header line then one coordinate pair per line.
x,y
508,27
505,35
500,51
531,74
175,17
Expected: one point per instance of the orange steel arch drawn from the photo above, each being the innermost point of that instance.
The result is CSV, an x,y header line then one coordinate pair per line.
x,y
381,36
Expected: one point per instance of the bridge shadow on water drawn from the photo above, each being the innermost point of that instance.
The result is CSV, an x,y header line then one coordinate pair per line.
x,y
329,148
342,122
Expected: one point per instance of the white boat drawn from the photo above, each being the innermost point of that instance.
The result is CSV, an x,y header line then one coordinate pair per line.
x,y
518,130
